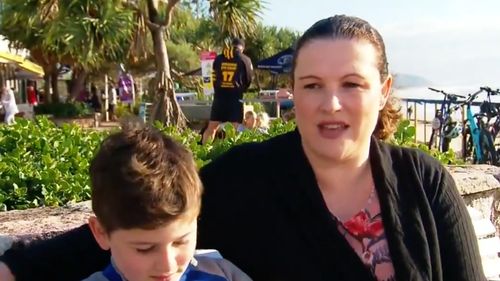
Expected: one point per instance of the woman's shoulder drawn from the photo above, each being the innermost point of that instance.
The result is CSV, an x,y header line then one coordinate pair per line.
x,y
412,166
408,162
256,152
400,154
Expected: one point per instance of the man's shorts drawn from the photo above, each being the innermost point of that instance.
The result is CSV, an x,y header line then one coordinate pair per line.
x,y
227,111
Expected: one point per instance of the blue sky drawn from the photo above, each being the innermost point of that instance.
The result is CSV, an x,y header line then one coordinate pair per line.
x,y
447,42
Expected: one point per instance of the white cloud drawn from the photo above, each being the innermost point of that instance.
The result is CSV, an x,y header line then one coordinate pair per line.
x,y
426,26
446,52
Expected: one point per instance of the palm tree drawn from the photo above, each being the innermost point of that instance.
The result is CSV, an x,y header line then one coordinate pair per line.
x,y
23,24
236,18
166,107
83,43
240,22
83,33
92,34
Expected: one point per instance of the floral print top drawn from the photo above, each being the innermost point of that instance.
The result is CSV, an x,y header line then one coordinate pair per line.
x,y
365,233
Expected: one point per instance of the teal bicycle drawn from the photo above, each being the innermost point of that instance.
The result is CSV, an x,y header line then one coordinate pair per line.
x,y
479,143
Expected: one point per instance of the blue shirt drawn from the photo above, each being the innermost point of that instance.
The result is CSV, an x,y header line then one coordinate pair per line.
x,y
205,266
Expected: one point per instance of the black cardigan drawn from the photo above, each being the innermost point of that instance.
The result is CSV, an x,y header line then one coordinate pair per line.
x,y
275,226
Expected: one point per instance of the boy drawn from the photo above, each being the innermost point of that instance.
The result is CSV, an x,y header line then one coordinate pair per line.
x,y
146,197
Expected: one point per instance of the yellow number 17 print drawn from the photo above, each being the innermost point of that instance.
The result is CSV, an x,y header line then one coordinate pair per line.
x,y
227,76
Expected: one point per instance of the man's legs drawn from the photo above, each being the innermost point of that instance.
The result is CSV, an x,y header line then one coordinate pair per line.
x,y
210,131
10,118
111,110
223,111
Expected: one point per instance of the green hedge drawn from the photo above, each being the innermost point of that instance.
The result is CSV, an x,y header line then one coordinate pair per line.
x,y
63,110
41,164
405,136
45,165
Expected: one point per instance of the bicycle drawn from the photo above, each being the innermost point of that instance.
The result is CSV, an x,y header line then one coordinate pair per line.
x,y
479,141
491,111
443,124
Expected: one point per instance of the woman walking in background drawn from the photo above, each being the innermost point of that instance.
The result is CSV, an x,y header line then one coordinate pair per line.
x,y
9,105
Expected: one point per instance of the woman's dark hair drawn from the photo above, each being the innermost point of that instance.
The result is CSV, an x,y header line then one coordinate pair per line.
x,y
346,27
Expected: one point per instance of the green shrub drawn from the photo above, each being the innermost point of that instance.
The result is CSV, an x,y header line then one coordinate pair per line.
x,y
63,110
41,164
45,165
124,110
405,136
203,154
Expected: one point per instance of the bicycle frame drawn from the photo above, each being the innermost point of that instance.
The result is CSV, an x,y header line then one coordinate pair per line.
x,y
475,132
439,115
443,116
473,127
495,127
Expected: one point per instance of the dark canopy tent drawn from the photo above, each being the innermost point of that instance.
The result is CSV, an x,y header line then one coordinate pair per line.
x,y
280,63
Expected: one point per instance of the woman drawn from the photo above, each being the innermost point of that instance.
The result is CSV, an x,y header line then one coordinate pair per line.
x,y
9,105
249,121
262,122
31,93
345,207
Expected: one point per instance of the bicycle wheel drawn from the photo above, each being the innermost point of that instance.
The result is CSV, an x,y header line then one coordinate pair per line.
x,y
445,145
436,128
488,149
432,140
447,134
469,150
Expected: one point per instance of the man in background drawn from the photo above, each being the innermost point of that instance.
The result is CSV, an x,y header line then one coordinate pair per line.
x,y
232,72
113,99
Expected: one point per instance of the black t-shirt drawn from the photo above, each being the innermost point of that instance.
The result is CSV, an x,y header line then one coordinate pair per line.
x,y
232,73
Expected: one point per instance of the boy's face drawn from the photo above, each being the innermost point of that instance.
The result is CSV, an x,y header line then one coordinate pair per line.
x,y
161,254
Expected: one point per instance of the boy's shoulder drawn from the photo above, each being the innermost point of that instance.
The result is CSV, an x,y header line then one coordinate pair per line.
x,y
209,265
98,276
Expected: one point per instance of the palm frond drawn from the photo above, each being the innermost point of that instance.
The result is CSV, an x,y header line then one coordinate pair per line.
x,y
237,18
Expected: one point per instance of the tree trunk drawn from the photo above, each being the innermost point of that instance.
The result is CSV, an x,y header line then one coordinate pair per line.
x,y
165,109
77,83
46,87
55,90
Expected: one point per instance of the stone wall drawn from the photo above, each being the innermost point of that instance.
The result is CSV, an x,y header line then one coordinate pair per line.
x,y
40,223
479,186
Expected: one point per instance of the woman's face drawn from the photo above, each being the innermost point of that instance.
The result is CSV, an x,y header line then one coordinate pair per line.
x,y
338,95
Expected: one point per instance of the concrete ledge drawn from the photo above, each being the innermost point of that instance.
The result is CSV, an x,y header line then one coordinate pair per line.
x,y
43,220
479,186
473,179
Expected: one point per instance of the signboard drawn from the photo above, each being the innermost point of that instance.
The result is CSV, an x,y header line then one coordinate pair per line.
x,y
207,60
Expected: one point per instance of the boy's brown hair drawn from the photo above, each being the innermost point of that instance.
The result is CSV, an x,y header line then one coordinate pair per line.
x,y
143,179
